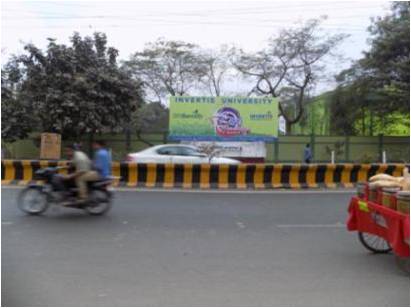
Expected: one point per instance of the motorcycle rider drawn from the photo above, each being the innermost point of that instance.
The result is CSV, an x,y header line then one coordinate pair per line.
x,y
83,171
102,159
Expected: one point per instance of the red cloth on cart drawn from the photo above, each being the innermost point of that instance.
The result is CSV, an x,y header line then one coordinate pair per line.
x,y
393,226
407,229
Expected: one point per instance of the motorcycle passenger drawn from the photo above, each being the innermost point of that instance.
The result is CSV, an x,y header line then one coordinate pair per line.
x,y
83,171
102,159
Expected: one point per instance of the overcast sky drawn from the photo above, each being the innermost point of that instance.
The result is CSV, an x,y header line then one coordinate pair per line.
x,y
131,24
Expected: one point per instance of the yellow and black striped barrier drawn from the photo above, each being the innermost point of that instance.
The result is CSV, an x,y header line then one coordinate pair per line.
x,y
243,176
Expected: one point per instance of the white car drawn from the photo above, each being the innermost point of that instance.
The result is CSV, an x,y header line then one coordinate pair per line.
x,y
176,154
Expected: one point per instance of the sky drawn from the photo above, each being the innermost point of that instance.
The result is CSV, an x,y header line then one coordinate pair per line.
x,y
129,25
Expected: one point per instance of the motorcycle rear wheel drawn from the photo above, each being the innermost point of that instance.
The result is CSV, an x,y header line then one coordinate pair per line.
x,y
33,201
100,202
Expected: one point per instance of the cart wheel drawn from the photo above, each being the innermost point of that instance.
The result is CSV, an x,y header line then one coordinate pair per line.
x,y
403,264
374,243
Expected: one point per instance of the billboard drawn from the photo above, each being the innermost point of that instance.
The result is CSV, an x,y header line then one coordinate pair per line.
x,y
206,118
50,147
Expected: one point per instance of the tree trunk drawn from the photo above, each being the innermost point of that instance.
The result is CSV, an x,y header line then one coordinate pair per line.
x,y
138,133
90,144
363,121
288,126
371,123
128,139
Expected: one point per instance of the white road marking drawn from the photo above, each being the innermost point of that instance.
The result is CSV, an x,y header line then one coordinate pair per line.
x,y
240,225
6,222
12,187
336,225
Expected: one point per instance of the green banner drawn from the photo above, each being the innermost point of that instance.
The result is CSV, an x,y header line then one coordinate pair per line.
x,y
223,118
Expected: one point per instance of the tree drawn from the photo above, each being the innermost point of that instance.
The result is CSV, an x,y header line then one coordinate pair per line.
x,y
151,117
375,89
344,112
387,63
354,100
16,114
293,59
166,68
77,89
215,67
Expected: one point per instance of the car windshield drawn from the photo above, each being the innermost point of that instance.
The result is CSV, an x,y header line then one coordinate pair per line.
x,y
189,152
168,151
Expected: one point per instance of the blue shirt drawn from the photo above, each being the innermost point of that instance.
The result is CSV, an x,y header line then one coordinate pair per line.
x,y
102,162
307,153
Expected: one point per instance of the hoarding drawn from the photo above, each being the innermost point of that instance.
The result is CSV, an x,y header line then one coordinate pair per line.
x,y
50,147
203,118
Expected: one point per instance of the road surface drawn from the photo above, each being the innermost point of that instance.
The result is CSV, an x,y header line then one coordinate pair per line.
x,y
195,249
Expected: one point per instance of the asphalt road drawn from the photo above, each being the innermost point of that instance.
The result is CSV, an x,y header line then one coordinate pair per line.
x,y
195,249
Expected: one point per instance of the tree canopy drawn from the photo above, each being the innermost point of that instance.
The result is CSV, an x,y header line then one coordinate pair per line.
x,y
166,68
80,88
72,89
377,86
150,117
388,61
16,114
290,65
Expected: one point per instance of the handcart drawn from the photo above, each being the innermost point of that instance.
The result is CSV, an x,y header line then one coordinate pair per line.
x,y
381,229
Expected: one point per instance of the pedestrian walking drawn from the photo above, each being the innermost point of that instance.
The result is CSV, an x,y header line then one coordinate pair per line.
x,y
308,155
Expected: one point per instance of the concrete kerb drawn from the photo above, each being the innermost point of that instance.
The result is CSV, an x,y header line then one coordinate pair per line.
x,y
216,177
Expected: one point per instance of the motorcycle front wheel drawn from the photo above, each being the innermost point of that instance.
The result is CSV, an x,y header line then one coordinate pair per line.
x,y
100,202
33,201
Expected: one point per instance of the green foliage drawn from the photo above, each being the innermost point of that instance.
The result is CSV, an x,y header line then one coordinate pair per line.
x,y
75,89
388,61
16,120
337,147
365,158
151,117
167,68
393,124
290,65
377,86
316,117
344,111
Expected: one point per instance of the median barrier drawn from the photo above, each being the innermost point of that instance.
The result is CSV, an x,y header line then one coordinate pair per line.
x,y
205,176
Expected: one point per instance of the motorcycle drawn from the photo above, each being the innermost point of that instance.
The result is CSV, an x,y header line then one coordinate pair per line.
x,y
36,198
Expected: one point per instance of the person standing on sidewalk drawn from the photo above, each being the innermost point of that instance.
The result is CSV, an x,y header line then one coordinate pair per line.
x,y
308,155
